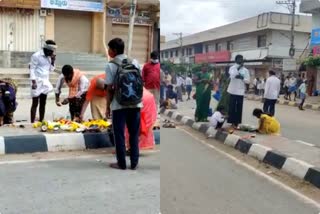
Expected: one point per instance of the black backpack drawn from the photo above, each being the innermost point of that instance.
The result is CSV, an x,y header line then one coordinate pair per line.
x,y
128,83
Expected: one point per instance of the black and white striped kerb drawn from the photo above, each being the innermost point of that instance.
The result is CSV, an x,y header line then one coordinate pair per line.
x,y
58,142
267,155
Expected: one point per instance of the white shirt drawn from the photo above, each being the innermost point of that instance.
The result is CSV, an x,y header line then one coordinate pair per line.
x,y
237,86
272,88
40,68
180,81
287,83
292,82
216,118
188,81
83,85
261,84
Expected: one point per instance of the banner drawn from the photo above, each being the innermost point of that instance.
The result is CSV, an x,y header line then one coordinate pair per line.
x,y
315,37
80,5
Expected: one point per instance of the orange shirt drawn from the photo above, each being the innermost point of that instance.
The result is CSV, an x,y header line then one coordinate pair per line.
x,y
93,91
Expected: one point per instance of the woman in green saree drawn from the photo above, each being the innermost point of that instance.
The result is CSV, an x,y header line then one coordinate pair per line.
x,y
225,96
203,81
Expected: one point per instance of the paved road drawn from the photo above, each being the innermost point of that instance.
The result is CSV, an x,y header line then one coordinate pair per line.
x,y
80,185
195,179
295,124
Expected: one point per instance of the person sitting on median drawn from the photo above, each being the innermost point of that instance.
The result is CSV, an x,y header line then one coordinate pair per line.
x,y
96,96
78,86
218,118
267,123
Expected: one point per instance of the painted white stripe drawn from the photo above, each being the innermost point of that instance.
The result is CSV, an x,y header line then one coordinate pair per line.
x,y
258,151
296,167
2,146
302,197
174,115
196,126
304,143
211,132
65,142
185,119
231,140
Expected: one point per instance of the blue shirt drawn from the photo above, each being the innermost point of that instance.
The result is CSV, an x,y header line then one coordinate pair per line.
x,y
111,70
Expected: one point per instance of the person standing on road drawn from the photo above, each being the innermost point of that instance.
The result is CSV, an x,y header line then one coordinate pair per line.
x,y
225,96
203,81
96,96
303,94
286,88
299,82
151,76
41,64
78,86
189,85
180,83
239,75
293,87
122,115
271,93
261,85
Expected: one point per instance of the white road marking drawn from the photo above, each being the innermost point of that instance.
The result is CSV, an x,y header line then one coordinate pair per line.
x,y
302,197
304,143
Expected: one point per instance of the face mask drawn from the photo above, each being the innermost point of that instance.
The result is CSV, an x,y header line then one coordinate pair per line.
x,y
155,61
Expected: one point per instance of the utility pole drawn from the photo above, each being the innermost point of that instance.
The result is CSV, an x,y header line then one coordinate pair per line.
x,y
131,25
291,4
180,45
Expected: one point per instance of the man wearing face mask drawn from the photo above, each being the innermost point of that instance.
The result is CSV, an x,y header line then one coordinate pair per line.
x,y
42,63
151,76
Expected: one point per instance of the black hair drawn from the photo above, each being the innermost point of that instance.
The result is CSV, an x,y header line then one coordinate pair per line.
x,y
220,108
238,57
257,112
154,54
67,70
50,42
271,72
117,45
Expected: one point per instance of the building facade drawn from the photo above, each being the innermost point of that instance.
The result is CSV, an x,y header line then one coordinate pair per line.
x,y
313,7
263,40
77,26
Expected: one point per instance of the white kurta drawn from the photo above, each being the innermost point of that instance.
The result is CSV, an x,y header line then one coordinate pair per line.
x,y
40,68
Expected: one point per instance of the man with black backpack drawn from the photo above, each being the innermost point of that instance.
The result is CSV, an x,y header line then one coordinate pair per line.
x,y
125,86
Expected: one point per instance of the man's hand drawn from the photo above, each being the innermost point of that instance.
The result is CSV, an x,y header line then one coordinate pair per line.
x,y
53,59
239,77
34,85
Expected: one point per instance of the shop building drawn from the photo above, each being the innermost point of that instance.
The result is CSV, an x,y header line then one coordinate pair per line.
x,y
263,40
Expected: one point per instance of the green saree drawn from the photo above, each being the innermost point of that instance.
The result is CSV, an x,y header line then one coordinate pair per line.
x,y
203,97
225,96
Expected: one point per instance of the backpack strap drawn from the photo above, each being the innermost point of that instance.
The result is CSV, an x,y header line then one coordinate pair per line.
x,y
120,62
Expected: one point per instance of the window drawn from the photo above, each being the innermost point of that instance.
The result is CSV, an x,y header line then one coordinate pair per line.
x,y
162,55
218,47
166,54
171,54
262,41
207,48
177,53
183,52
230,45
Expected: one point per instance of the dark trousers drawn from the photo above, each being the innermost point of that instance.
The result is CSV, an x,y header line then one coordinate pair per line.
x,y
219,125
131,118
235,109
42,109
269,106
75,105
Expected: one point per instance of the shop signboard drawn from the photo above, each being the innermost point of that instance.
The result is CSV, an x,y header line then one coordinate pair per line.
x,y
316,51
289,65
80,5
212,57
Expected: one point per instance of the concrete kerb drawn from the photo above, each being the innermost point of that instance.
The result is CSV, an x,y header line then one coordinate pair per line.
x,y
59,142
292,166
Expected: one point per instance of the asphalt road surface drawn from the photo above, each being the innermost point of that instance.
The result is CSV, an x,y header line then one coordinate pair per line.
x,y
197,179
79,184
295,124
